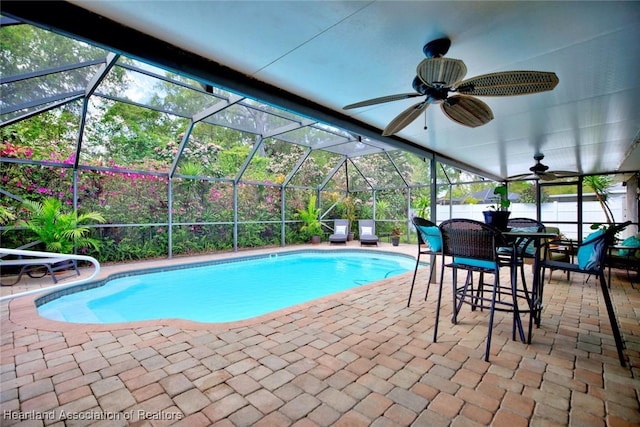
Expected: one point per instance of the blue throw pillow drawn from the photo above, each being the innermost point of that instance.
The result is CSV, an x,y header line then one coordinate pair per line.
x,y
588,252
632,242
433,236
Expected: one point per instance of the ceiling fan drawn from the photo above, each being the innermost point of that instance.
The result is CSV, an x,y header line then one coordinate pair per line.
x,y
438,76
541,171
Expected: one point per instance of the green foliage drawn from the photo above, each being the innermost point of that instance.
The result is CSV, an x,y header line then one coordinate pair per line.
x,y
60,230
600,185
232,159
423,206
26,48
130,134
350,210
39,136
192,169
194,239
310,216
504,204
6,215
527,192
144,243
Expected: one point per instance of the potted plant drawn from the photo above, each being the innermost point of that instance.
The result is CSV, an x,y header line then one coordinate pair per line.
x,y
59,231
498,215
350,214
396,232
310,216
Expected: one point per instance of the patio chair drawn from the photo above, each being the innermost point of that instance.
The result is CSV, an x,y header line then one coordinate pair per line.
x,y
429,243
625,255
367,232
473,247
558,250
591,256
340,231
39,267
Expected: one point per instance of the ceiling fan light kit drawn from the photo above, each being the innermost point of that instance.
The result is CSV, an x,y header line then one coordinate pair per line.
x,y
438,76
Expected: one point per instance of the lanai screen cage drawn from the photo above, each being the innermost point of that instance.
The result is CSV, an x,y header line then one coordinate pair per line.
x,y
173,165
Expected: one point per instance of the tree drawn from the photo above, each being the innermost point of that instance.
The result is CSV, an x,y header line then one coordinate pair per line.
x,y
129,134
26,48
600,184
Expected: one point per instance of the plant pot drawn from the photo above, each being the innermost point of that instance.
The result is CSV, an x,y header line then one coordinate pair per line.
x,y
498,219
350,236
315,240
395,241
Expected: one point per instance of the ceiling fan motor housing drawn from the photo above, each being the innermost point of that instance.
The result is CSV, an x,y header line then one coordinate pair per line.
x,y
437,48
538,167
433,93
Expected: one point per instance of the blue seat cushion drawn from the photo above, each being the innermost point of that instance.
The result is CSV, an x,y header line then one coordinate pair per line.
x,y
632,242
433,236
526,247
588,251
481,263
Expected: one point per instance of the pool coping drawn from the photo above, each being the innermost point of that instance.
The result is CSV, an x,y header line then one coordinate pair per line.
x,y
23,310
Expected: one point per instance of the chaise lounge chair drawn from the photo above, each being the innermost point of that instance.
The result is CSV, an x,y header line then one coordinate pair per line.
x,y
340,231
367,232
39,267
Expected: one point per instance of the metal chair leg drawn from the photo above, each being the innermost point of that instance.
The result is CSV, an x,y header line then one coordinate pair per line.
x,y
435,328
612,319
415,272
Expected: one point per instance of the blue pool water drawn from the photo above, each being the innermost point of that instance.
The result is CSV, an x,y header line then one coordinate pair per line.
x,y
224,292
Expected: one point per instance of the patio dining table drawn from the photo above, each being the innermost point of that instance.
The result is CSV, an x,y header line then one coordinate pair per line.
x,y
522,240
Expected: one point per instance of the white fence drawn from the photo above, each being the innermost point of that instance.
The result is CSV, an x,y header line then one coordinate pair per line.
x,y
551,213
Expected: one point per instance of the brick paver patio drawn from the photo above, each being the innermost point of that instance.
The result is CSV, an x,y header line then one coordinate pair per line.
x,y
357,358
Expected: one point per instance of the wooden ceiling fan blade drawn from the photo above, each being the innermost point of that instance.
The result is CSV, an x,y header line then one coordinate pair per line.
x,y
544,176
441,72
381,100
467,110
565,174
522,177
554,175
509,83
403,119
547,176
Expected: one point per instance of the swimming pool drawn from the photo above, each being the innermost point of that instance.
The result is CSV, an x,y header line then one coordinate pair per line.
x,y
222,291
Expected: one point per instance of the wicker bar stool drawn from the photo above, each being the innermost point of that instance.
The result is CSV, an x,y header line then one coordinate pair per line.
x,y
473,247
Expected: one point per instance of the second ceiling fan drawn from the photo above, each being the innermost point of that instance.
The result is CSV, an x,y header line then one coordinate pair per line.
x,y
438,76
541,171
